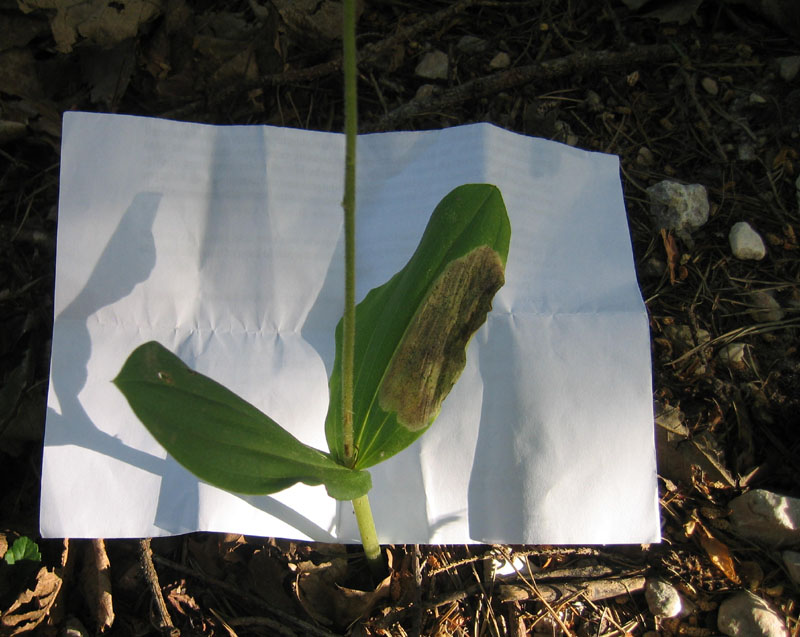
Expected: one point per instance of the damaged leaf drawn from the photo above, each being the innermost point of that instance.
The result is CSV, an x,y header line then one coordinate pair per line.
x,y
432,354
412,331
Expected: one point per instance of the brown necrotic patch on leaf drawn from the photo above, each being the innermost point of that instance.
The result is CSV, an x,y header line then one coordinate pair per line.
x,y
432,355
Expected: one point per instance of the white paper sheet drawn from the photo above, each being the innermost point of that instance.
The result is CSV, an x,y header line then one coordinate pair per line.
x,y
225,244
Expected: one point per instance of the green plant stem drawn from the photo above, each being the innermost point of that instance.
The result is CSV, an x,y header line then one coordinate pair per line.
x,y
369,537
366,523
349,205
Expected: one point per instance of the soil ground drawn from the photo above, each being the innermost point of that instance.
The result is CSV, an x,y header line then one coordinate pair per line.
x,y
699,95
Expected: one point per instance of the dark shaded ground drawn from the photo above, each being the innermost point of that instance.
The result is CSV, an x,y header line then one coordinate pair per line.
x,y
708,107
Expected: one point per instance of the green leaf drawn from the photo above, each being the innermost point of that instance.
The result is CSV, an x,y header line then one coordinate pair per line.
x,y
23,548
412,332
220,437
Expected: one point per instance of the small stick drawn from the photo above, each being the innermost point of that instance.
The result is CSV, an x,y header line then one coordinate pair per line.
x,y
580,62
165,626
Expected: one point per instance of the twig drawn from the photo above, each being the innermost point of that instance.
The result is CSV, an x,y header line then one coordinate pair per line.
x,y
581,62
368,57
165,625
593,590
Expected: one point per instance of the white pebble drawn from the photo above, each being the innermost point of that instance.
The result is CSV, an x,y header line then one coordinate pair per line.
x,y
746,243
766,517
747,615
733,355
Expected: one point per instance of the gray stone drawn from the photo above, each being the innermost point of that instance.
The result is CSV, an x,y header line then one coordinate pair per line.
x,y
433,66
765,308
789,67
745,242
791,559
677,206
663,599
766,517
471,44
747,615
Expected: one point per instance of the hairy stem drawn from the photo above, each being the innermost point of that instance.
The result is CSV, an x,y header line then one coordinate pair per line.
x,y
366,524
349,205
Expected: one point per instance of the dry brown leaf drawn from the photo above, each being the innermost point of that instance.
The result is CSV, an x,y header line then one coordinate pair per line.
x,y
673,256
719,554
18,74
266,575
205,550
96,577
101,22
784,160
32,606
181,600
228,543
327,602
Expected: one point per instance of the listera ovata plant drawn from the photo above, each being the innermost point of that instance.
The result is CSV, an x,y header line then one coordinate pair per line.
x,y
399,352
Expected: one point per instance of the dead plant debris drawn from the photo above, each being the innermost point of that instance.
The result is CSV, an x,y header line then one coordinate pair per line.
x,y
698,91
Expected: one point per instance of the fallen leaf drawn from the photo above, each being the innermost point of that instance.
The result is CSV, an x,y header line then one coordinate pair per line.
x,y
266,575
99,21
31,606
181,600
19,75
334,605
19,30
718,553
784,159
108,72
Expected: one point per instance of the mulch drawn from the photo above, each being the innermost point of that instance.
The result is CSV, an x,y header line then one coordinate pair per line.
x,y
696,96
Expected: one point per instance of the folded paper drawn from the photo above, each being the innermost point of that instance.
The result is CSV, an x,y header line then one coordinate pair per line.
x,y
225,244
